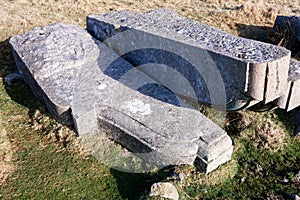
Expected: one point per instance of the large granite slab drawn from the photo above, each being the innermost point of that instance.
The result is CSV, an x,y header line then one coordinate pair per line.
x,y
77,78
193,60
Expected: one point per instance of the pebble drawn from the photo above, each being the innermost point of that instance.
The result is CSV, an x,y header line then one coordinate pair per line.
x,y
164,190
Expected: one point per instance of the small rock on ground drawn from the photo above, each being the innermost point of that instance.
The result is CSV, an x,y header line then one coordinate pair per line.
x,y
164,190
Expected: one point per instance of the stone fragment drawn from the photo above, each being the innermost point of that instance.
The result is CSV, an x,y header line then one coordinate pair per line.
x,y
188,50
158,131
291,98
164,190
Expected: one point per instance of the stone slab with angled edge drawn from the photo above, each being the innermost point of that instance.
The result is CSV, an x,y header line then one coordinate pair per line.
x,y
197,52
71,74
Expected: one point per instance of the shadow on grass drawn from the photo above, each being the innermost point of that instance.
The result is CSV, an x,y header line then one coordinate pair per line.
x,y
18,92
7,64
136,185
259,33
290,119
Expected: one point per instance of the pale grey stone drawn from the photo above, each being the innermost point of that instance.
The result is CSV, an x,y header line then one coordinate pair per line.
x,y
244,66
291,98
73,74
164,190
49,57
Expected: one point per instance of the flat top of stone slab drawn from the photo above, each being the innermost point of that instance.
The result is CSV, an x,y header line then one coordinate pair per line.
x,y
294,71
53,54
167,23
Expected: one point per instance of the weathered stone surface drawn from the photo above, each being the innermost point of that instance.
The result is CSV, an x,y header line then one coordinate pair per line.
x,y
164,190
291,99
110,64
197,52
49,58
160,133
66,68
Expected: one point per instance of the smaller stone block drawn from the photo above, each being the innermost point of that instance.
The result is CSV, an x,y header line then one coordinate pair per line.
x,y
291,99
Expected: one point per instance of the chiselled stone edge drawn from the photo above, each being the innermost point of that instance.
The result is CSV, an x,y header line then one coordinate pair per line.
x,y
211,155
206,155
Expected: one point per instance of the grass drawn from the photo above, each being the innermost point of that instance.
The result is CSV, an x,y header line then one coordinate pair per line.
x,y
48,161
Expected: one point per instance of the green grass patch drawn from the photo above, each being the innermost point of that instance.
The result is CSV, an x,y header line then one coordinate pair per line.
x,y
50,166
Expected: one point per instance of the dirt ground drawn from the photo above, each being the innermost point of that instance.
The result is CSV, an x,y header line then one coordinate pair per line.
x,y
245,18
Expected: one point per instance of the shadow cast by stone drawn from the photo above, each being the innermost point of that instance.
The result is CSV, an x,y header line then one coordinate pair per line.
x,y
134,186
259,33
18,91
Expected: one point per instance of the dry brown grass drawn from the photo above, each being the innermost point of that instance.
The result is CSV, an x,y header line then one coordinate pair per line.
x,y
6,164
18,16
266,131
